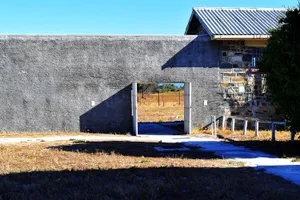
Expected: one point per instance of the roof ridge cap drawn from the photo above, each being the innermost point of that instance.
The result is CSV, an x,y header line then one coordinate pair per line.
x,y
237,8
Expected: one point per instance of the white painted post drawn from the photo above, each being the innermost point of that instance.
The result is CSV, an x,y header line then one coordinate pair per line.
x,y
188,108
273,131
212,125
223,122
245,126
134,109
233,124
215,125
256,128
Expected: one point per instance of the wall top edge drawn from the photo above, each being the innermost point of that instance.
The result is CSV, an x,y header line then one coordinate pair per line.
x,y
108,37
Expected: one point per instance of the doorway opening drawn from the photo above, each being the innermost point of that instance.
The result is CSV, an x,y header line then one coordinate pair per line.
x,y
161,108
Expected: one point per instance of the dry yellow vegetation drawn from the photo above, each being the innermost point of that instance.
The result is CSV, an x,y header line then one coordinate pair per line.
x,y
150,111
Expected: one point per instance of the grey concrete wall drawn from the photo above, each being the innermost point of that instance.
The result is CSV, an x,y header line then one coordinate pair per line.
x,y
48,83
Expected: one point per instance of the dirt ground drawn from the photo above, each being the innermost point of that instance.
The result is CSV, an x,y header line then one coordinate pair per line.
x,y
129,170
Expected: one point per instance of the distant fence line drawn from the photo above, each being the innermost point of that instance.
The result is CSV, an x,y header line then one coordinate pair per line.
x,y
162,97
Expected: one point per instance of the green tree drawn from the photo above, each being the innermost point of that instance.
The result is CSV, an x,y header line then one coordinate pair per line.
x,y
146,88
281,63
168,87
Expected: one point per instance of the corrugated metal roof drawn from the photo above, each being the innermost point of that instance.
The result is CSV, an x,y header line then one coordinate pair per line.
x,y
238,21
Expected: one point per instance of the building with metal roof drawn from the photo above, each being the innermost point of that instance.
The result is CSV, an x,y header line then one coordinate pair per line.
x,y
241,35
88,83
234,23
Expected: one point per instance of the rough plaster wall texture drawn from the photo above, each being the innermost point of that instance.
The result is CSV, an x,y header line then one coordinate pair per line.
x,y
83,83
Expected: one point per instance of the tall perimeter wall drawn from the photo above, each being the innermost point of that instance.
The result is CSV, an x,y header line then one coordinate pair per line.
x,y
83,83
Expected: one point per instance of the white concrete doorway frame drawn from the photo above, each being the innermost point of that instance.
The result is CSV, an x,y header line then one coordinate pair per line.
x,y
187,108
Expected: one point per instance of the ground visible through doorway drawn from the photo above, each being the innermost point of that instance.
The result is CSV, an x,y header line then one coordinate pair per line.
x,y
165,128
160,108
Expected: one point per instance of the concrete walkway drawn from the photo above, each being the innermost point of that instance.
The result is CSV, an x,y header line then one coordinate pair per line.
x,y
283,167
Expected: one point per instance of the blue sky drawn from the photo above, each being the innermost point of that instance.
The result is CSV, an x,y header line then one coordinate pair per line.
x,y
160,17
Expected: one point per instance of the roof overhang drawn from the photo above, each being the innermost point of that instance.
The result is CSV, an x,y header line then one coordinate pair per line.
x,y
240,37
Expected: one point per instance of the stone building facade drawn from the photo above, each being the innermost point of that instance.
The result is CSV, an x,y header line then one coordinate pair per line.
x,y
241,37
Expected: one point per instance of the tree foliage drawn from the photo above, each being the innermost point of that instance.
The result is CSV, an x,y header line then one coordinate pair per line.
x,y
169,87
281,63
153,88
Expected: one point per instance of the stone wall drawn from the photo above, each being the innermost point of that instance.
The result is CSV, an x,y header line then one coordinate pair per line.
x,y
243,87
83,83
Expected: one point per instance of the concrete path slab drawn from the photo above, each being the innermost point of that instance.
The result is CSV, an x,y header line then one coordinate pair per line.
x,y
283,167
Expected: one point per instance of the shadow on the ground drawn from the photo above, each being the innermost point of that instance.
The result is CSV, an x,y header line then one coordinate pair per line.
x,y
146,149
278,148
161,128
147,183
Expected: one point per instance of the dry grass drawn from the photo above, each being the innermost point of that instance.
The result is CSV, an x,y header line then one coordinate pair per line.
x,y
72,155
150,111
129,170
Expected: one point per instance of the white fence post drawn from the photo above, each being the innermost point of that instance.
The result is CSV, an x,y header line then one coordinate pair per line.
x,y
215,125
233,124
212,125
245,126
256,127
223,122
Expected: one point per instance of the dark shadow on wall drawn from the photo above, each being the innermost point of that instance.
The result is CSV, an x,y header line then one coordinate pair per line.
x,y
201,52
112,115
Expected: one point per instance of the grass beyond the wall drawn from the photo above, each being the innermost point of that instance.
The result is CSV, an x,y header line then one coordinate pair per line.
x,y
149,110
